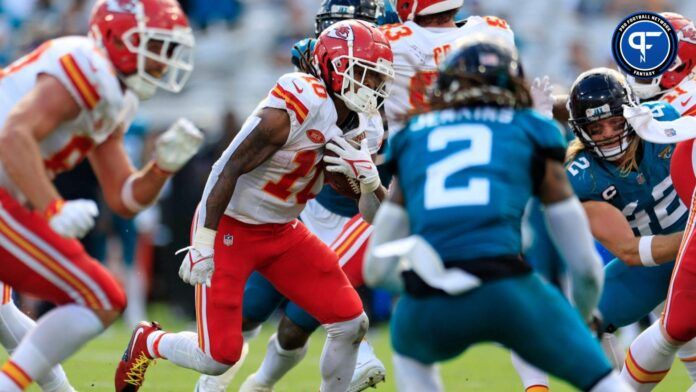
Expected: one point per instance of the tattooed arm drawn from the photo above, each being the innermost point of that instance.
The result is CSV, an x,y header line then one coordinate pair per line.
x,y
260,137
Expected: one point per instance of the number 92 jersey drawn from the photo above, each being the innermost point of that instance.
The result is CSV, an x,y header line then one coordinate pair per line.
x,y
466,175
646,197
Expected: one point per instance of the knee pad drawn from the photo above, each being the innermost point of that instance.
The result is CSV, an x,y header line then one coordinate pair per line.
x,y
353,330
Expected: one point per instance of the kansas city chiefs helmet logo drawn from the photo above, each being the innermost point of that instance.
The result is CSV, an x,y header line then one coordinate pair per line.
x,y
342,32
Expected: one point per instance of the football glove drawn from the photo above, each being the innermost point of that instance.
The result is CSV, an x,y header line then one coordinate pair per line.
x,y
177,145
638,117
198,264
353,163
72,219
542,97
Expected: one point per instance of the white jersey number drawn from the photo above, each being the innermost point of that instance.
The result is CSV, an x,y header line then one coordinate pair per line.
x,y
437,195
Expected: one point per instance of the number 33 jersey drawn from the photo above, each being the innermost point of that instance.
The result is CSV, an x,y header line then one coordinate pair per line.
x,y
417,53
276,191
90,79
646,197
467,174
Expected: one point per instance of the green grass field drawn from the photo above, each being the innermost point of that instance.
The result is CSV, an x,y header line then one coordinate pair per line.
x,y
485,367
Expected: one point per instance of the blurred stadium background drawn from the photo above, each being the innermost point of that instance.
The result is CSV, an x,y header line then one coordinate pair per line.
x,y
242,46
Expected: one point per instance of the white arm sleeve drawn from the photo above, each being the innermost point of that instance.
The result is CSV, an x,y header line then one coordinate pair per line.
x,y
570,230
391,223
668,132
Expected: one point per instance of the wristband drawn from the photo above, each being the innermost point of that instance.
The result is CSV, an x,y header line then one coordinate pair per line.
x,y
645,251
204,237
127,196
53,208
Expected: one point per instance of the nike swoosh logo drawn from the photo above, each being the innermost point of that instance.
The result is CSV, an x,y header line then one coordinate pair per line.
x,y
299,90
135,338
294,224
683,104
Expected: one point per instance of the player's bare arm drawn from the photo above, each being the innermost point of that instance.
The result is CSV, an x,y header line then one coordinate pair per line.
x,y
34,117
268,136
610,227
112,167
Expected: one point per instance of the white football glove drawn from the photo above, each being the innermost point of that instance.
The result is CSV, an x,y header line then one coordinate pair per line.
x,y
177,145
639,117
198,264
353,163
541,96
74,218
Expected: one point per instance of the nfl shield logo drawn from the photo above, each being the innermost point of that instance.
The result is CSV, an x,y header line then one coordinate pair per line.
x,y
227,240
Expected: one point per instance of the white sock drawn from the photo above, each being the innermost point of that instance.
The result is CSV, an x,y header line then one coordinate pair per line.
x,y
59,334
182,349
648,359
413,376
135,290
221,382
278,362
612,383
14,324
341,352
613,350
687,355
530,375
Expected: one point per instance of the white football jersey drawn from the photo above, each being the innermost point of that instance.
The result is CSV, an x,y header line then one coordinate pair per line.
x,y
90,78
683,97
276,191
417,53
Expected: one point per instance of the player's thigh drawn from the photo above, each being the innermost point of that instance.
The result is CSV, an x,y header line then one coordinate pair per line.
x,y
546,331
350,247
682,170
323,223
427,329
301,318
632,292
261,299
308,275
40,262
678,318
219,307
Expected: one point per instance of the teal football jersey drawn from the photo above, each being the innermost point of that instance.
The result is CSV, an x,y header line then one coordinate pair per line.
x,y
646,197
466,175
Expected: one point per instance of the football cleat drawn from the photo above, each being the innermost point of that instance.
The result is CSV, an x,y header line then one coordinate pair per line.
x,y
130,373
369,370
251,385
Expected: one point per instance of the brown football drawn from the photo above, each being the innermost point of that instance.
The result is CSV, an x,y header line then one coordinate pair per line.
x,y
348,187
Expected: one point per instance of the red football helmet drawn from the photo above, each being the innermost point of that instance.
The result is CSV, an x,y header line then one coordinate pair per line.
x,y
132,31
408,9
682,66
347,54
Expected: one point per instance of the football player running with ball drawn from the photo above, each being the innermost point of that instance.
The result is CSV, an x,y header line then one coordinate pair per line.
x,y
325,216
73,98
247,218
449,234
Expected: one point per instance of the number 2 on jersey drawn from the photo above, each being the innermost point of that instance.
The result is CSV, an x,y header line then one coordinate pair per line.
x,y
281,189
477,192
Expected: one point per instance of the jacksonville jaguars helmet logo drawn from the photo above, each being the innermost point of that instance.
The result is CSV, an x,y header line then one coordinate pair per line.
x,y
342,32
